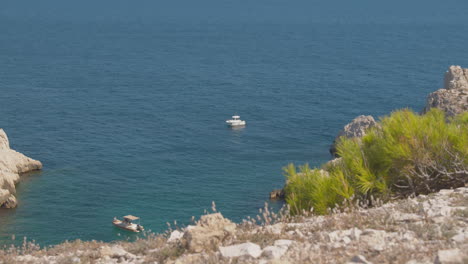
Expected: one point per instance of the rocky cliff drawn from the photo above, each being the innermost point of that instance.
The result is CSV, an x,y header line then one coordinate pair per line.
x,y
453,98
12,164
426,229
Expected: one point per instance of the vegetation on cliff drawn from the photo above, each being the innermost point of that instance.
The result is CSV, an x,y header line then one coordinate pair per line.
x,y
405,154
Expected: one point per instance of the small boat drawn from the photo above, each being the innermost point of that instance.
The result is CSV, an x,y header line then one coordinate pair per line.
x,y
127,223
235,121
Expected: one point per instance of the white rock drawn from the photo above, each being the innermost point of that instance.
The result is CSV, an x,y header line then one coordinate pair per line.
x,y
346,240
449,256
244,249
274,252
274,229
283,243
405,217
299,233
175,236
115,251
375,239
280,247
413,261
12,164
461,236
355,129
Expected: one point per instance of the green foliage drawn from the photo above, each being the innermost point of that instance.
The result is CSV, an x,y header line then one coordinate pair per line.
x,y
404,154
314,188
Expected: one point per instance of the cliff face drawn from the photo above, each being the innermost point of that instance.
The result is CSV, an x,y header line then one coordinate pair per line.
x,y
453,98
12,164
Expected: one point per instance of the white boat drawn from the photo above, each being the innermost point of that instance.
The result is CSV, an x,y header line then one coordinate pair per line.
x,y
235,121
127,223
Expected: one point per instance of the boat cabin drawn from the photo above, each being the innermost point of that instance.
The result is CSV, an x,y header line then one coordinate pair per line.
x,y
130,218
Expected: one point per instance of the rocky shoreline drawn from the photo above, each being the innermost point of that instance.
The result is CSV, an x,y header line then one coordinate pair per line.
x,y
452,99
12,165
424,229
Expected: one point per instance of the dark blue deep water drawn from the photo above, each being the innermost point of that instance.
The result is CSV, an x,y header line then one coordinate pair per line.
x,y
124,102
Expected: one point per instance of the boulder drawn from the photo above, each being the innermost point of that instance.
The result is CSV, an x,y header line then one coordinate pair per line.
x,y
175,236
449,256
461,236
356,129
277,251
12,164
274,252
245,249
375,239
209,232
115,251
453,98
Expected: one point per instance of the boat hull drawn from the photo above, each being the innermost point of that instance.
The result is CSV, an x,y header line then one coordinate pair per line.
x,y
121,225
236,124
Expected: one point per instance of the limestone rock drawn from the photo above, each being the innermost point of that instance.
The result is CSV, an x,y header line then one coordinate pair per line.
x,y
449,256
274,252
453,98
191,258
244,249
356,129
175,236
274,229
461,236
283,243
456,78
375,239
277,251
208,233
115,251
4,142
12,164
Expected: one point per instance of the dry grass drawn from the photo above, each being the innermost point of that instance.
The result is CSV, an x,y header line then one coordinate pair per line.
x,y
311,234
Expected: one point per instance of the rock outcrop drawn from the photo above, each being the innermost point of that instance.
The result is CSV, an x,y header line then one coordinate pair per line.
x,y
453,98
208,233
356,129
12,164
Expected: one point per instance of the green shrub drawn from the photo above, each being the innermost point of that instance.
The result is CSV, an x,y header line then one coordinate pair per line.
x,y
405,154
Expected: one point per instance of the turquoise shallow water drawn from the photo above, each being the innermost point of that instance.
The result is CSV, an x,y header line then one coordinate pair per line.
x,y
125,104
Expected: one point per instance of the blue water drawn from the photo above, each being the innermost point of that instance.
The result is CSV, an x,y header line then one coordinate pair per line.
x,y
125,102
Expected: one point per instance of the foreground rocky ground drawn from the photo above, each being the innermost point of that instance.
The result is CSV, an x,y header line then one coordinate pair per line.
x,y
425,229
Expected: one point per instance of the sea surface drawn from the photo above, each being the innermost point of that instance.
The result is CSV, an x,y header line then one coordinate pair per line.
x,y
124,102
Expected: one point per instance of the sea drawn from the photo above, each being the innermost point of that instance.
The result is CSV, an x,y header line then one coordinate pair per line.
x,y
125,102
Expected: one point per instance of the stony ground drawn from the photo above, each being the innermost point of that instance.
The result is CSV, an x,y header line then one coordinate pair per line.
x,y
425,229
